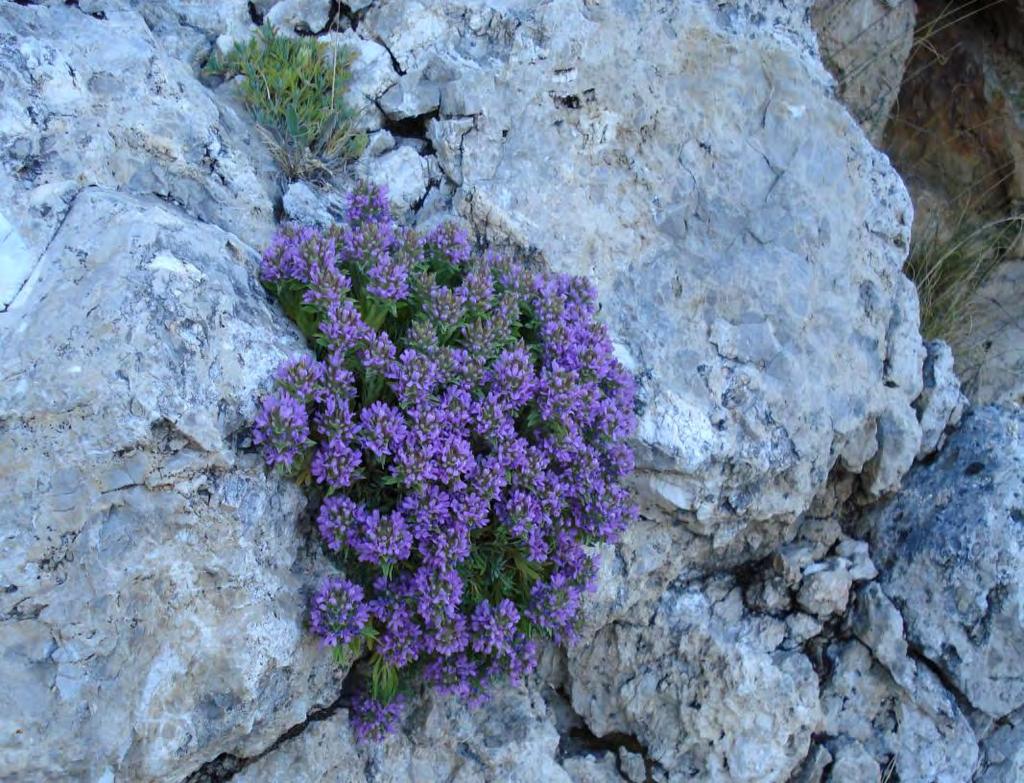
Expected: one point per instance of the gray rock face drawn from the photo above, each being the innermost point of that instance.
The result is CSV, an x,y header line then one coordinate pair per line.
x,y
746,242
994,351
301,16
866,43
941,403
703,684
745,239
950,549
88,101
870,721
152,599
511,739
1004,752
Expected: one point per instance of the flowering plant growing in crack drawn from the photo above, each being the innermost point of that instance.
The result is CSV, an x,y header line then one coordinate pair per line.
x,y
464,424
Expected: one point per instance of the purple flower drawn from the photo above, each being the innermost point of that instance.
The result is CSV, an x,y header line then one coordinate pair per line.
x,y
372,720
282,428
494,629
468,428
338,614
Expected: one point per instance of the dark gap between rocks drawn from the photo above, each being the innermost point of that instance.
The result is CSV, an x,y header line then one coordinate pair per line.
x,y
579,739
255,14
412,128
227,765
341,10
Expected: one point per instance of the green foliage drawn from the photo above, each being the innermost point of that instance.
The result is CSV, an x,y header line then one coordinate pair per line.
x,y
295,88
949,270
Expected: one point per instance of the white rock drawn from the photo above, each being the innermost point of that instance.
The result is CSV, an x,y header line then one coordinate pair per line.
x,y
923,729
994,356
402,171
950,549
412,96
825,591
153,609
745,239
301,16
941,404
866,44
511,739
111,109
703,686
16,263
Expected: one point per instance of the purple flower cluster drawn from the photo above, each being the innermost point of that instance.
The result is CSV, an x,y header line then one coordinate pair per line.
x,y
467,425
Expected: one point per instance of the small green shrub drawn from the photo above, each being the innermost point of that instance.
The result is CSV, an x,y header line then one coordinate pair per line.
x,y
295,88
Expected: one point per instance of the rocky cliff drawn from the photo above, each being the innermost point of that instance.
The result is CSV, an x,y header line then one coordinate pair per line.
x,y
797,601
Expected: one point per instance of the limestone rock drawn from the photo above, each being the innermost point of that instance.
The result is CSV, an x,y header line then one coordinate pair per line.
x,y
866,43
941,403
152,605
632,766
950,549
994,350
404,173
510,739
1003,752
745,239
307,204
88,101
412,96
703,685
372,75
301,16
592,769
851,763
186,29
825,589
16,262
921,732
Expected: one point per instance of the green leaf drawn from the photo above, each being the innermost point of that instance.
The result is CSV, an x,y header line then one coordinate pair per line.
x,y
383,680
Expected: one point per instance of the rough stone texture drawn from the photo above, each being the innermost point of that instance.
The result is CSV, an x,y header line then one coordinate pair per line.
x,y
16,262
152,599
825,590
921,733
703,685
403,171
745,238
510,740
747,244
306,204
941,403
950,548
87,101
865,44
412,96
1003,749
994,349
187,29
592,769
300,16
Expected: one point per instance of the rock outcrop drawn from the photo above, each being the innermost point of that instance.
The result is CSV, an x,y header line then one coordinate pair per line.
x,y
153,572
717,195
950,548
94,99
754,624
866,44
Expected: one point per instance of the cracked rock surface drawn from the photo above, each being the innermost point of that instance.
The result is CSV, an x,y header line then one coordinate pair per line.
x,y
153,573
950,548
759,622
690,185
